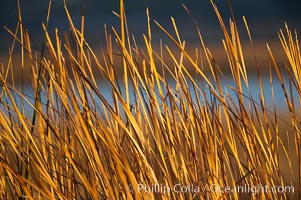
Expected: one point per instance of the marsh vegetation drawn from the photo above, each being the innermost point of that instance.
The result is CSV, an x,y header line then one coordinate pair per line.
x,y
157,123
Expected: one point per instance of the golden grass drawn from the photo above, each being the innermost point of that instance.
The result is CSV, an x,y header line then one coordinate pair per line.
x,y
78,143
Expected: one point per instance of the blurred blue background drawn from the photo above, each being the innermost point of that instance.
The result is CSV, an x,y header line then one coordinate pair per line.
x,y
265,17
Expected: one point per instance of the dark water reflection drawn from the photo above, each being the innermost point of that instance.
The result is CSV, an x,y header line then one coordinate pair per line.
x,y
265,17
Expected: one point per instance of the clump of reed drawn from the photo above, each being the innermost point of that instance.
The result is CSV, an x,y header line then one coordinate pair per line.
x,y
161,124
